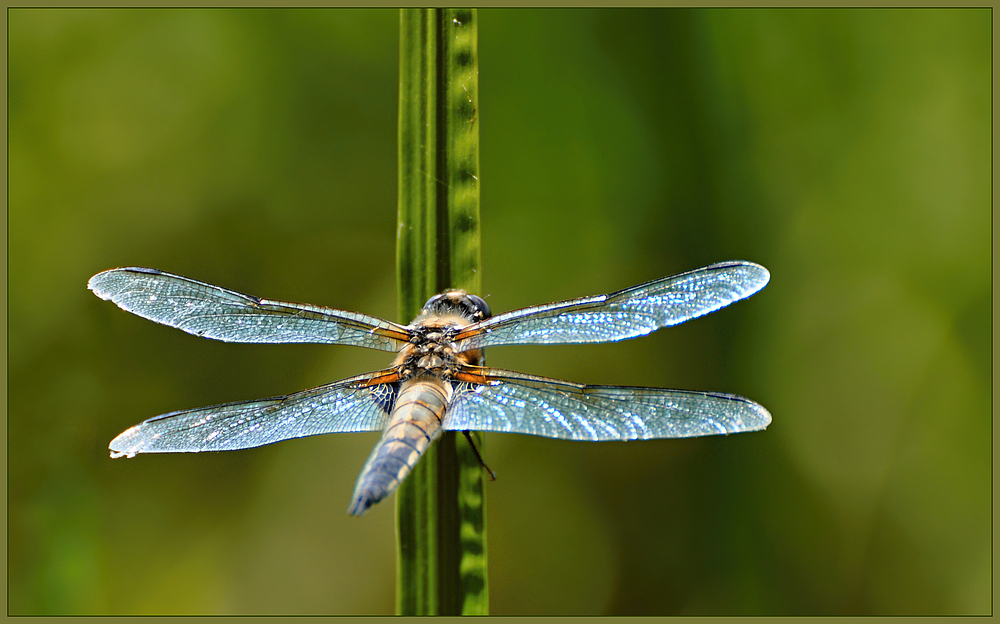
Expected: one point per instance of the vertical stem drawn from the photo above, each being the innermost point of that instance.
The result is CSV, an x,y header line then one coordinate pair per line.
x,y
441,555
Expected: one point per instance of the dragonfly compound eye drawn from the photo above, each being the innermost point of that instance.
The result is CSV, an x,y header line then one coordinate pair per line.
x,y
481,306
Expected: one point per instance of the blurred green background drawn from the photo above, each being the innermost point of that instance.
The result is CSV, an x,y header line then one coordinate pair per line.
x,y
849,151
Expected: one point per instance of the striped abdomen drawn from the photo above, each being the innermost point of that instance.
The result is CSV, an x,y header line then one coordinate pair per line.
x,y
415,422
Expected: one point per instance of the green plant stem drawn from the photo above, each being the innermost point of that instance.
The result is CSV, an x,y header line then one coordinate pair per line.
x,y
440,512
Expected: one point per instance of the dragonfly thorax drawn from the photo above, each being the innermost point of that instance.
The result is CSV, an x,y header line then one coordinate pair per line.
x,y
431,351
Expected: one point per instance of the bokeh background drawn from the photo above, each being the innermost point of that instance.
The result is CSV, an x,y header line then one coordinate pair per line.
x,y
849,151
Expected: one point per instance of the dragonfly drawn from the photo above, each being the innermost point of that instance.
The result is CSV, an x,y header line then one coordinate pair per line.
x,y
438,381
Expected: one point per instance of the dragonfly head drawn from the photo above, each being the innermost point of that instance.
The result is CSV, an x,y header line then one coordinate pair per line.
x,y
457,302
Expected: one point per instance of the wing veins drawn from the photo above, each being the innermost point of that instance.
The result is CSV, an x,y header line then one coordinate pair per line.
x,y
348,405
519,403
207,310
627,313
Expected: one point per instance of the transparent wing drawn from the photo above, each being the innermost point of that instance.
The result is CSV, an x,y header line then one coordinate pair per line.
x,y
517,403
214,312
627,313
340,407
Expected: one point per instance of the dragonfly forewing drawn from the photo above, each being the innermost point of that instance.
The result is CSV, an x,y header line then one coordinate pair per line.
x,y
222,314
628,313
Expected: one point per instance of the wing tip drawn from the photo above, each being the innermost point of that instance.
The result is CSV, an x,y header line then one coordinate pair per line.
x,y
125,444
761,420
757,275
762,275
98,282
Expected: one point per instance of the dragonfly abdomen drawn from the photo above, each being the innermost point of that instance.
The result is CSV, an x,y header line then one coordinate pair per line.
x,y
415,422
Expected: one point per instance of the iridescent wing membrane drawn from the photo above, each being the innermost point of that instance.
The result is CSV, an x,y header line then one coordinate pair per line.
x,y
348,405
506,401
516,403
512,402
627,313
222,314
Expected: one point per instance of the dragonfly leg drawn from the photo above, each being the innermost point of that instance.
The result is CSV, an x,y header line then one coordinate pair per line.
x,y
490,475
